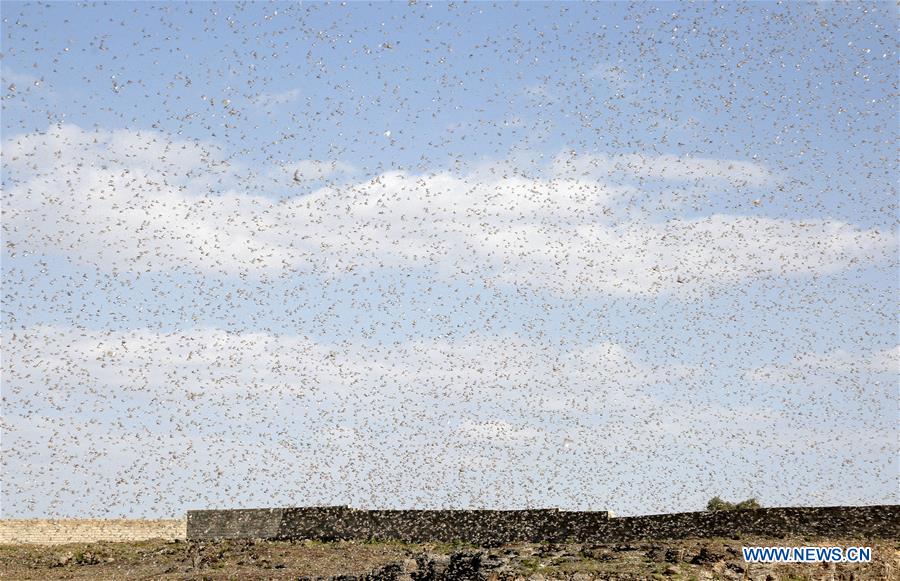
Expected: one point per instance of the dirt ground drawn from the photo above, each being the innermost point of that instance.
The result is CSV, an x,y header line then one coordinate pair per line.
x,y
376,561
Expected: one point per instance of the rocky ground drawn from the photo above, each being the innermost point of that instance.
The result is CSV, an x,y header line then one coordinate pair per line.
x,y
376,561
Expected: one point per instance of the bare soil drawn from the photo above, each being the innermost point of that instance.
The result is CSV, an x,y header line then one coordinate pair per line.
x,y
377,561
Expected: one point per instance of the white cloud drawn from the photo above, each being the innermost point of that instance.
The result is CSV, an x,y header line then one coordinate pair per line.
x,y
817,368
142,202
255,419
278,98
17,78
662,167
188,410
309,170
64,362
494,432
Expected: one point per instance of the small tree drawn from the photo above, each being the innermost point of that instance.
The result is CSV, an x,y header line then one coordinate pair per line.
x,y
716,503
750,503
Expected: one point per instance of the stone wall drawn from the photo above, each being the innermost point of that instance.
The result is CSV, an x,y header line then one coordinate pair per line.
x,y
831,521
485,527
54,532
253,523
477,526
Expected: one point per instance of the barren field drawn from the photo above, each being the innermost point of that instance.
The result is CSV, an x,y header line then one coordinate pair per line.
x,y
359,561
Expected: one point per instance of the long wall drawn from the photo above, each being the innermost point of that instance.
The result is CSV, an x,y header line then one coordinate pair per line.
x,y
831,521
54,532
476,526
491,527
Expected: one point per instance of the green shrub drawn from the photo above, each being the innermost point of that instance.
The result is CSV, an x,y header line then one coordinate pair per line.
x,y
716,503
750,503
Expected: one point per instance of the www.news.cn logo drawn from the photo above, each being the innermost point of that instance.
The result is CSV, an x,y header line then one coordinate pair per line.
x,y
807,554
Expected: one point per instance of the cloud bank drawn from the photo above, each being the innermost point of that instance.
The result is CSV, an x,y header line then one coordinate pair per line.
x,y
244,419
140,201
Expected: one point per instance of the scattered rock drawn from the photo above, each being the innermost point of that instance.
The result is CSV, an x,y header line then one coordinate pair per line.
x,y
706,557
562,559
464,566
621,548
430,567
64,560
598,553
410,565
86,558
674,555
493,561
671,570
389,572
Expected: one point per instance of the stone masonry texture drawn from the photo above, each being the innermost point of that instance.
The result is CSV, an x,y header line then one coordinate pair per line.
x,y
54,532
483,527
494,527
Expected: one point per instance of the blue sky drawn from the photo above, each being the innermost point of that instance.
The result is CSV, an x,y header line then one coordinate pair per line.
x,y
604,256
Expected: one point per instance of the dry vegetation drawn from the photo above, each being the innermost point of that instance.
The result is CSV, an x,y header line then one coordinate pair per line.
x,y
370,561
